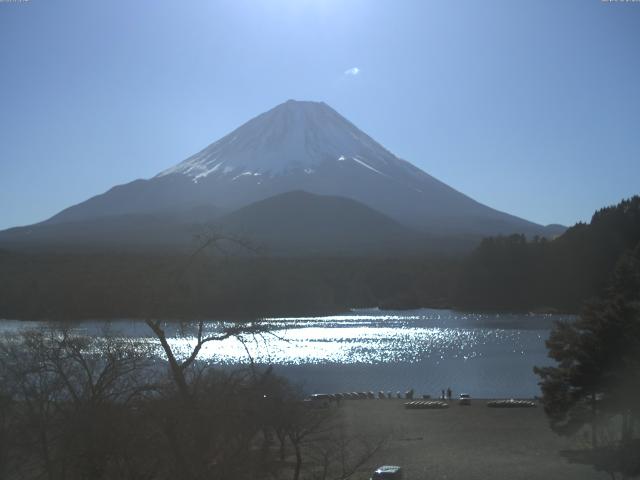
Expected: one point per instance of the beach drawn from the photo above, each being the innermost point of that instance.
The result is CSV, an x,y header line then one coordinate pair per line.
x,y
465,442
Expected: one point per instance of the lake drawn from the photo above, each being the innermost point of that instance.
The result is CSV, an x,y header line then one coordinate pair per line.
x,y
486,355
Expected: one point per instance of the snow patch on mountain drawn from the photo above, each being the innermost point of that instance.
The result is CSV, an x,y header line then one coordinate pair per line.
x,y
366,165
292,137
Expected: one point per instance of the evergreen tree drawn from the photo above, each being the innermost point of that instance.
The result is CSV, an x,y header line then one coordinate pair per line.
x,y
596,380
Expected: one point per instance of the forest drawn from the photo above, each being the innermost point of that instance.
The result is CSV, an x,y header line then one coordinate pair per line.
x,y
75,286
511,273
518,274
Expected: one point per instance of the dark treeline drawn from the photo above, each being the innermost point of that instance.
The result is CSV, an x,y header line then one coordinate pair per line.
x,y
80,286
504,273
513,273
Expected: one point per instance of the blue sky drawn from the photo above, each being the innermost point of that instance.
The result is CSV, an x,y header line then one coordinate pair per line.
x,y
531,107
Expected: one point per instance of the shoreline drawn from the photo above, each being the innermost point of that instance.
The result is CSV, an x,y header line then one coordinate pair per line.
x,y
299,314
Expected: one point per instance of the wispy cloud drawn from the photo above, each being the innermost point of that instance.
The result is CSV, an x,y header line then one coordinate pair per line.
x,y
353,71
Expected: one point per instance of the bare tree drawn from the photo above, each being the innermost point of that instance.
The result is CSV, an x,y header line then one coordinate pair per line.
x,y
209,241
340,455
177,366
303,425
69,395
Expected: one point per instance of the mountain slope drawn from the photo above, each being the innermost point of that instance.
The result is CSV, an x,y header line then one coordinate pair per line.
x,y
302,223
125,232
304,146
292,223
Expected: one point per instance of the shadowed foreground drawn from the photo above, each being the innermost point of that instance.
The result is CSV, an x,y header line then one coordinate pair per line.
x,y
473,442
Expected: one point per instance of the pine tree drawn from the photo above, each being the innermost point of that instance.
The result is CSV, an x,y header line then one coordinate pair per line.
x,y
596,379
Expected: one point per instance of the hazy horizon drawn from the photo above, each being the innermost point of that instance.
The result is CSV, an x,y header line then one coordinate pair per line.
x,y
530,109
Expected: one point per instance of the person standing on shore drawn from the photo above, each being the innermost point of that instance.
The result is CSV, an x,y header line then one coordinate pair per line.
x,y
442,395
449,393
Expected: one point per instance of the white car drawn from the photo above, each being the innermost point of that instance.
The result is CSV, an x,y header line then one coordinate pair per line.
x,y
465,399
387,472
319,400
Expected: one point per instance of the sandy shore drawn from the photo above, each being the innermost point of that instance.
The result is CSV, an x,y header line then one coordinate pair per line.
x,y
466,442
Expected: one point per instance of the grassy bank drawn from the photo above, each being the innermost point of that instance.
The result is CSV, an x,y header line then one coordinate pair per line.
x,y
474,442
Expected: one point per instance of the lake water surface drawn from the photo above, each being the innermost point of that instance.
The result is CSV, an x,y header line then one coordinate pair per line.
x,y
486,355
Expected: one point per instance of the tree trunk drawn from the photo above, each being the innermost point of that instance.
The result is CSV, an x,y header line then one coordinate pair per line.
x,y
48,465
627,427
296,473
176,371
183,469
281,438
594,436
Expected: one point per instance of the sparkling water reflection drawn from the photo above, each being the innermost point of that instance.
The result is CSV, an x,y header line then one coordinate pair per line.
x,y
486,354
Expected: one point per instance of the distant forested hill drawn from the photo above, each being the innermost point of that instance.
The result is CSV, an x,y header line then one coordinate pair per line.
x,y
513,273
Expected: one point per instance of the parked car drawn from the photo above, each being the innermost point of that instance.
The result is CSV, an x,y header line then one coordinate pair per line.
x,y
319,400
387,472
465,399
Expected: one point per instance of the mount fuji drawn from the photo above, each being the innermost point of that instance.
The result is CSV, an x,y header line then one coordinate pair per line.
x,y
296,146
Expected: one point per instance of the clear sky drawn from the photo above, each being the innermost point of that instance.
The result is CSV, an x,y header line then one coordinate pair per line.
x,y
531,107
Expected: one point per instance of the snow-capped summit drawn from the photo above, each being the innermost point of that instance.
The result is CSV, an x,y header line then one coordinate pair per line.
x,y
294,136
308,146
